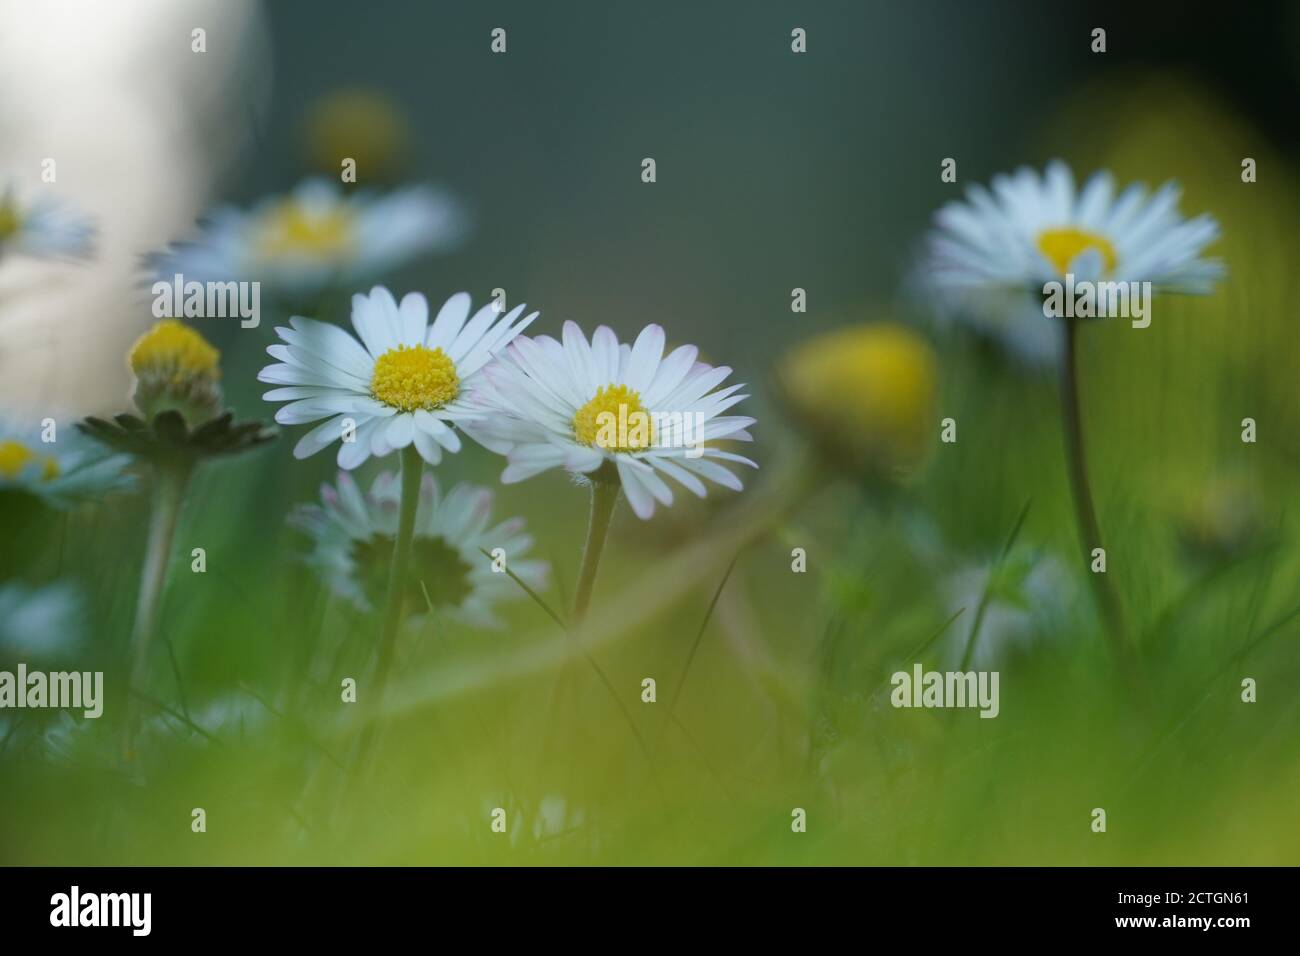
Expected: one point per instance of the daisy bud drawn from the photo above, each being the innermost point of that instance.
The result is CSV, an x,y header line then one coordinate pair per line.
x,y
865,393
1220,521
360,124
176,368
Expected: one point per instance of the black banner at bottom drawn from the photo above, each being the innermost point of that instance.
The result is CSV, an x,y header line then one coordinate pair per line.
x,y
336,905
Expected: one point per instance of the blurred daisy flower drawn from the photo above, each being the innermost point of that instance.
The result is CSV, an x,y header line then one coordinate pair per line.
x,y
61,471
991,253
39,623
44,228
354,535
1010,604
405,382
625,415
315,239
866,395
234,716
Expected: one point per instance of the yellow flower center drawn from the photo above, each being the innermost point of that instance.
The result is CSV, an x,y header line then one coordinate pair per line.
x,y
10,221
614,420
1060,246
174,351
289,230
411,377
15,456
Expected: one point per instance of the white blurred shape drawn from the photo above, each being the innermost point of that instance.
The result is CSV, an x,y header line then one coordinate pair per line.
x,y
139,126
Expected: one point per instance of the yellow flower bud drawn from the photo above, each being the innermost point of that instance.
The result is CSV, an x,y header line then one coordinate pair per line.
x,y
865,393
176,368
361,125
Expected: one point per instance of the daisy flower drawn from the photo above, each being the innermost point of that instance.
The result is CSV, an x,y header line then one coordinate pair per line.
x,y
44,228
990,254
404,383
621,414
61,472
1033,229
318,237
354,534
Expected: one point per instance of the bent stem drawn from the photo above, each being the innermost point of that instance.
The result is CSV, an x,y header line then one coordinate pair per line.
x,y
1084,511
398,573
169,492
604,496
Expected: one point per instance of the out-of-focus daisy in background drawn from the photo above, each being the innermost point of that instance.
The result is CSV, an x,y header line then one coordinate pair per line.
x,y
990,254
406,382
39,623
1029,230
39,626
316,239
1025,596
353,534
619,414
43,226
61,472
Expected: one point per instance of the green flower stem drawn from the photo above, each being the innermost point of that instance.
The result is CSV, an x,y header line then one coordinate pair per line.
x,y
169,491
398,575
604,496
1085,514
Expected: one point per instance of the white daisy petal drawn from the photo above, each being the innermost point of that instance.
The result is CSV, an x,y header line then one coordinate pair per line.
x,y
400,431
531,460
372,325
429,449
472,332
647,353
679,474
319,437
672,370
330,344
414,313
604,354
638,496
451,317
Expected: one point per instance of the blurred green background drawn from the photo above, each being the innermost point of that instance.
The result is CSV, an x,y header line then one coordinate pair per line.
x,y
774,171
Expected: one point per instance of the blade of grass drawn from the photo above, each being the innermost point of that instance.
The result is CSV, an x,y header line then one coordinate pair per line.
x,y
699,634
176,670
969,653
537,598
